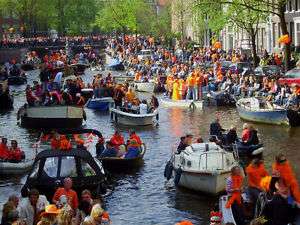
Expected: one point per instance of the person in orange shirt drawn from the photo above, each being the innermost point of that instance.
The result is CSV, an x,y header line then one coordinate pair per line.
x,y
190,82
55,141
4,151
134,136
67,191
65,144
255,172
234,187
130,95
117,139
282,167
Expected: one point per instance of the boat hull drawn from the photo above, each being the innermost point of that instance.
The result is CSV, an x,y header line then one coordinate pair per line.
x,y
51,117
131,119
276,117
144,86
182,103
101,104
204,182
7,168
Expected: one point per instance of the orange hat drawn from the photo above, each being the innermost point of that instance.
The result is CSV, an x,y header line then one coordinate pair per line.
x,y
50,209
184,222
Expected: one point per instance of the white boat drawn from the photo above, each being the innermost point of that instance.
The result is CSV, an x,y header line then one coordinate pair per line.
x,y
203,167
182,103
8,168
144,86
57,116
132,119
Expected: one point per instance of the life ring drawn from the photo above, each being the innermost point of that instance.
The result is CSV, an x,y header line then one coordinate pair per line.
x,y
177,177
168,170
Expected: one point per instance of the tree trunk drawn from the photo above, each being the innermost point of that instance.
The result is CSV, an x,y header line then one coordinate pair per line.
x,y
284,29
253,44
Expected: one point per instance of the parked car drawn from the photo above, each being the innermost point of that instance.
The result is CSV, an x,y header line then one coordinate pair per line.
x,y
290,77
51,167
244,68
270,71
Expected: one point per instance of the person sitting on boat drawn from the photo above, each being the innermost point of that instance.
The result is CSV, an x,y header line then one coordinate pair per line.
x,y
284,169
32,100
278,211
216,129
185,141
143,107
31,208
133,149
117,139
234,187
55,141
15,153
66,98
72,197
130,95
231,136
118,95
4,151
109,151
134,136
65,143
246,133
79,100
255,172
100,146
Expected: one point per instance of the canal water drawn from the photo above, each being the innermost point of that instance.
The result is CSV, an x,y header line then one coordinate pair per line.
x,y
144,197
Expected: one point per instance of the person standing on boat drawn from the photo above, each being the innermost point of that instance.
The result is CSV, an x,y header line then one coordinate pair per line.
x,y
231,136
118,96
216,129
234,187
143,107
246,133
282,167
255,172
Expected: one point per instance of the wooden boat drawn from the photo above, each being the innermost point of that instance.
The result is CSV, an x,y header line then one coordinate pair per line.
x,y
132,119
182,103
144,86
101,104
252,109
17,80
121,164
56,116
51,167
9,168
202,167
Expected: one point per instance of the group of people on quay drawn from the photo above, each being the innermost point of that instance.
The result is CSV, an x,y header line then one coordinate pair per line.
x,y
186,77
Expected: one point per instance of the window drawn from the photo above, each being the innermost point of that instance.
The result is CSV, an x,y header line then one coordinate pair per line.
x,y
297,3
87,170
35,170
68,167
51,166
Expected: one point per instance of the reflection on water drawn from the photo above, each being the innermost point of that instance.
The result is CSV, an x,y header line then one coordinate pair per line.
x,y
143,197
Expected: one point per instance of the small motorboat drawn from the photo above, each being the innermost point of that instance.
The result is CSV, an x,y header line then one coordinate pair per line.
x,y
116,65
15,168
17,80
79,68
201,167
144,86
101,104
122,164
133,119
182,103
56,116
51,167
252,109
220,98
28,67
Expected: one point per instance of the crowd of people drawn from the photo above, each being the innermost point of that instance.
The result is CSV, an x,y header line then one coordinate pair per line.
x,y
65,208
10,153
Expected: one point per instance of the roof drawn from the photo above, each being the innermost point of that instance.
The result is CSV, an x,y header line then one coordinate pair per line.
x,y
82,153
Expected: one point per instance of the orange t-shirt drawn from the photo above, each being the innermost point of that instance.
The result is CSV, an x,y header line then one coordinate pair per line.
x,y
70,194
255,174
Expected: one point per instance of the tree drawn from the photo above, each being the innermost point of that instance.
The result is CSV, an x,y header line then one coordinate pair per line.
x,y
276,7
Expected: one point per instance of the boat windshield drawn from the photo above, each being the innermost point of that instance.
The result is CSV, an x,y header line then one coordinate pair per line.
x,y
68,167
87,170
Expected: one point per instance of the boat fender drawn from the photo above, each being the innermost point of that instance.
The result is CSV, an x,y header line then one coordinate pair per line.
x,y
258,151
157,116
168,170
84,115
177,177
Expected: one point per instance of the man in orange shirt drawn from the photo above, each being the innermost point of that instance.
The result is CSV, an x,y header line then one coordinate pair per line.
x,y
68,192
255,172
134,136
190,81
117,139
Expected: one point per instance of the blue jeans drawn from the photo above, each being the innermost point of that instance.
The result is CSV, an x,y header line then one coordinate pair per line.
x,y
190,93
195,93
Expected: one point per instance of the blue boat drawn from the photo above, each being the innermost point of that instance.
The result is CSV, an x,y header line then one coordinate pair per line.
x,y
252,109
100,104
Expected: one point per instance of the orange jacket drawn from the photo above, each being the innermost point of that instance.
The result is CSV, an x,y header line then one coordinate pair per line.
x,y
137,138
117,140
288,176
65,144
191,81
255,174
55,144
4,152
